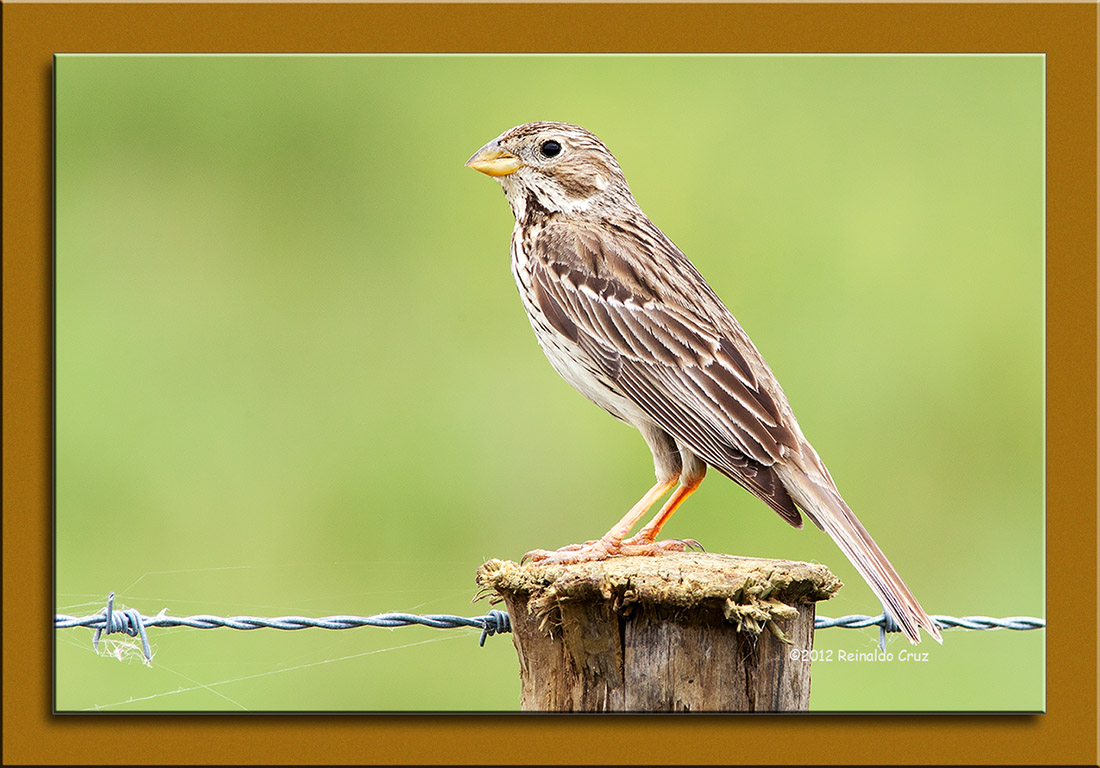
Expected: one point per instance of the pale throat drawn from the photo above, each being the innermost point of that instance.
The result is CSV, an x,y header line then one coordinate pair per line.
x,y
550,194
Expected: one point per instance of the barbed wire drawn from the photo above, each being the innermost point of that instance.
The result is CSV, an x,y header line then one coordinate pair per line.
x,y
131,622
943,622
886,623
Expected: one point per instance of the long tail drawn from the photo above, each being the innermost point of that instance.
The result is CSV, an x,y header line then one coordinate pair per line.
x,y
823,504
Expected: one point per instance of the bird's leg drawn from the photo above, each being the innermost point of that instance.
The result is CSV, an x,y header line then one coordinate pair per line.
x,y
645,539
611,543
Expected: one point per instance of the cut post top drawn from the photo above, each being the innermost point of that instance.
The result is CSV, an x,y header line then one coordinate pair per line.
x,y
751,591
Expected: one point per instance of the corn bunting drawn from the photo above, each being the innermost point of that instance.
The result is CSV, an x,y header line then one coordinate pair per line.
x,y
626,319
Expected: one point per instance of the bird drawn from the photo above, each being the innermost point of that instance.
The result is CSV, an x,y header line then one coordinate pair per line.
x,y
625,318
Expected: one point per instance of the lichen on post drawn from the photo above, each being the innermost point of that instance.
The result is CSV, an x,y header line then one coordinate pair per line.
x,y
678,632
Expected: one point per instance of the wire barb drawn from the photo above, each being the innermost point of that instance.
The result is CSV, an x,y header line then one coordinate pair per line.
x,y
889,624
496,621
128,622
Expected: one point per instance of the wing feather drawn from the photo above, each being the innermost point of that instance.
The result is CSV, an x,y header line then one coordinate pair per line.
x,y
759,479
703,383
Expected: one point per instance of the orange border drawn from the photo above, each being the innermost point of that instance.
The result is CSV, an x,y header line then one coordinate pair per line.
x,y
1066,33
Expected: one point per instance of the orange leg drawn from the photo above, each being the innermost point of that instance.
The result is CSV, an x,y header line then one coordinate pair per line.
x,y
610,543
648,535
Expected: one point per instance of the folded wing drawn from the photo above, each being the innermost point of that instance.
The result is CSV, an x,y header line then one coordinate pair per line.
x,y
701,381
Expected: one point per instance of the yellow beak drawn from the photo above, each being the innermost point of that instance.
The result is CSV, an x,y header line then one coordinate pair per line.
x,y
494,161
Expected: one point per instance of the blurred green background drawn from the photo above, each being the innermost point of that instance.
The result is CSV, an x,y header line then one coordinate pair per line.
x,y
294,377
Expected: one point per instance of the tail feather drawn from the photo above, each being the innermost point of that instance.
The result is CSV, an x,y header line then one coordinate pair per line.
x,y
823,504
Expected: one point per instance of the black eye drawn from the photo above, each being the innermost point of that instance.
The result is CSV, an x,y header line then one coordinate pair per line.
x,y
550,148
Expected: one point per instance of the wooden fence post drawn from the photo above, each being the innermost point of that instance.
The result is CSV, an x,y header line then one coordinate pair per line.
x,y
682,631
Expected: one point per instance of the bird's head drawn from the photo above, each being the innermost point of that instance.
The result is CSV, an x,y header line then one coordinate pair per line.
x,y
549,168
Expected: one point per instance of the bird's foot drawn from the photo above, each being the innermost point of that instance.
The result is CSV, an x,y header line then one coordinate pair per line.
x,y
588,552
647,546
601,549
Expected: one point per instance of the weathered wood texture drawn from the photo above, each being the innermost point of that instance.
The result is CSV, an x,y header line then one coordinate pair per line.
x,y
678,632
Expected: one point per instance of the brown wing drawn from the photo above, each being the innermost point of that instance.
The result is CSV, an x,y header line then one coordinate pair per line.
x,y
703,384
